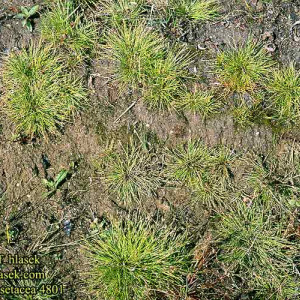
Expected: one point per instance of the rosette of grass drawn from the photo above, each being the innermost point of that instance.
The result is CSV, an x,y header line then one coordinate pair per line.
x,y
243,67
283,87
135,260
63,27
253,246
39,96
131,173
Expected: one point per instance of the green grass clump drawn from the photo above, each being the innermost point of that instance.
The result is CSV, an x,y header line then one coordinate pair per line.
x,y
273,180
133,260
284,89
242,116
143,61
205,171
260,174
188,162
213,188
62,26
243,68
198,10
133,49
119,11
131,173
164,79
203,103
253,247
39,96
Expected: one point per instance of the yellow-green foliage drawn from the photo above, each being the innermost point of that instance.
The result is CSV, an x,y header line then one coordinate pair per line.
x,y
120,11
198,10
283,87
203,103
253,247
63,28
143,60
134,260
39,95
130,174
243,68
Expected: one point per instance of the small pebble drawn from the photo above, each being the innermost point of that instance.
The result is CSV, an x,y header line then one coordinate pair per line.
x,y
67,227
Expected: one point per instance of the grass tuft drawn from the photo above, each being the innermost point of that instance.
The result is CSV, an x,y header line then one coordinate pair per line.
x,y
133,49
165,78
39,96
143,61
131,174
242,116
253,247
187,162
198,10
203,103
120,11
133,260
205,171
63,28
242,68
284,89
273,180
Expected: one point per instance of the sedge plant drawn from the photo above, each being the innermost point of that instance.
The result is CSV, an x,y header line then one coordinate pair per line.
x,y
283,87
165,78
275,179
242,116
131,173
39,96
135,259
120,11
213,188
190,162
143,61
253,247
196,10
132,49
244,67
203,103
62,27
205,171
187,163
